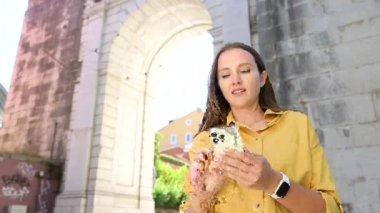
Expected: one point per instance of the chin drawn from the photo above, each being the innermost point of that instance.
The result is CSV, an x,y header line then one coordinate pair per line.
x,y
240,106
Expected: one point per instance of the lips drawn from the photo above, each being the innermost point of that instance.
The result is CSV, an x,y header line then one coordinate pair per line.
x,y
238,91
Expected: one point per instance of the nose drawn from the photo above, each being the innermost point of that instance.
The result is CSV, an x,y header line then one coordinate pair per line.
x,y
236,79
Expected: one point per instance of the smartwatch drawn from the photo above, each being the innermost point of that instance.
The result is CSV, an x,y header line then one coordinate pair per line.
x,y
282,188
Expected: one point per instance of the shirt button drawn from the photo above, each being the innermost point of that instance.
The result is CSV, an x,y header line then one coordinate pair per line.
x,y
256,207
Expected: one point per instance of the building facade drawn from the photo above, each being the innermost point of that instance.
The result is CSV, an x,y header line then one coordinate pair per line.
x,y
177,136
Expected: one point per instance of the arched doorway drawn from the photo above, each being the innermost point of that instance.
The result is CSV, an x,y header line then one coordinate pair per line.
x,y
116,144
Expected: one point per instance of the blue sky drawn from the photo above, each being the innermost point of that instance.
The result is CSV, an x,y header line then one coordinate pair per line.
x,y
11,19
182,91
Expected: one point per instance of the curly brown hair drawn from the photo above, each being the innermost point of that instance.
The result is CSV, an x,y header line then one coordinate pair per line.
x,y
217,107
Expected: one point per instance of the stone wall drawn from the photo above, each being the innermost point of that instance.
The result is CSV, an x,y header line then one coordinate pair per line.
x,y
37,111
323,58
27,183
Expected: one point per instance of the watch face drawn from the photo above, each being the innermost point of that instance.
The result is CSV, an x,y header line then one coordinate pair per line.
x,y
283,190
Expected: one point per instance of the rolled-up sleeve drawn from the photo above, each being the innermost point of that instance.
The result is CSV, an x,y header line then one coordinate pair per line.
x,y
322,179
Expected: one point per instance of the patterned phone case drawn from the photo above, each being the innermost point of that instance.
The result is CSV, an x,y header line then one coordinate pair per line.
x,y
226,137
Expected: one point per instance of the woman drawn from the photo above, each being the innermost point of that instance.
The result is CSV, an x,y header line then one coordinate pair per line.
x,y
282,167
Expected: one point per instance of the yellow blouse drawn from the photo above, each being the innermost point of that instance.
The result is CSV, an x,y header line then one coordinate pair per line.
x,y
290,144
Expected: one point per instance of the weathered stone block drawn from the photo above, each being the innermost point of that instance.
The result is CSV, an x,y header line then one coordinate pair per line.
x,y
268,52
288,92
344,188
366,52
337,137
101,174
343,163
359,29
364,191
293,66
265,21
343,111
321,86
101,163
264,6
376,102
343,82
299,11
295,28
366,134
368,160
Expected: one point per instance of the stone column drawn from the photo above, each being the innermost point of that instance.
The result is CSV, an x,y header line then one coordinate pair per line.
x,y
230,22
74,195
236,21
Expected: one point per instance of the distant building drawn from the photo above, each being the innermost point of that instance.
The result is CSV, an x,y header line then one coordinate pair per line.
x,y
3,98
177,136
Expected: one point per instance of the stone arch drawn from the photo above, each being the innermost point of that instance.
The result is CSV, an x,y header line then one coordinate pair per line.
x,y
122,40
140,41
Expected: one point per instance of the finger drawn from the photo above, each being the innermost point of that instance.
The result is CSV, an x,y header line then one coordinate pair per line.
x,y
216,162
240,170
230,161
249,158
197,165
248,179
209,155
201,156
199,187
203,151
239,176
236,161
235,174
232,152
195,173
246,163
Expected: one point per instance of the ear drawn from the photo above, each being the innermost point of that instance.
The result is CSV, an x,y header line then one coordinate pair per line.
x,y
263,78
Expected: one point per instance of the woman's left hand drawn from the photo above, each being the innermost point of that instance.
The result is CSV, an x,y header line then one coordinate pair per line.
x,y
250,169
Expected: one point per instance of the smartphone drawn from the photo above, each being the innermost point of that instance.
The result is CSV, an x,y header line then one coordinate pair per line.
x,y
226,137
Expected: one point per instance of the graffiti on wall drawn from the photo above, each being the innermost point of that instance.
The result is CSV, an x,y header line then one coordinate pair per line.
x,y
27,183
16,179
26,170
14,193
42,205
16,186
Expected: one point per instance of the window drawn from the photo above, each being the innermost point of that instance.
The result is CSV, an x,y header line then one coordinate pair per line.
x,y
188,122
173,139
188,137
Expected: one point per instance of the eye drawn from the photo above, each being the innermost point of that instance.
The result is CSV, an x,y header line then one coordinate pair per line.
x,y
225,76
245,71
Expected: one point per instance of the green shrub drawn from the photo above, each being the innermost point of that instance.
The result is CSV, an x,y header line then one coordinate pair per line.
x,y
171,160
168,189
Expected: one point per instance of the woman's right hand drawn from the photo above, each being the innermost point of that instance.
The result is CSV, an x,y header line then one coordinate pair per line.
x,y
206,177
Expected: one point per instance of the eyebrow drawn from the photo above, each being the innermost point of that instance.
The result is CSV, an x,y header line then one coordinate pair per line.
x,y
240,65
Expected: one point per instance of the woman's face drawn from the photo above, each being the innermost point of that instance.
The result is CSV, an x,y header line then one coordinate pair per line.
x,y
239,78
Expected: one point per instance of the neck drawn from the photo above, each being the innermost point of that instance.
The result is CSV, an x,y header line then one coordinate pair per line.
x,y
249,116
